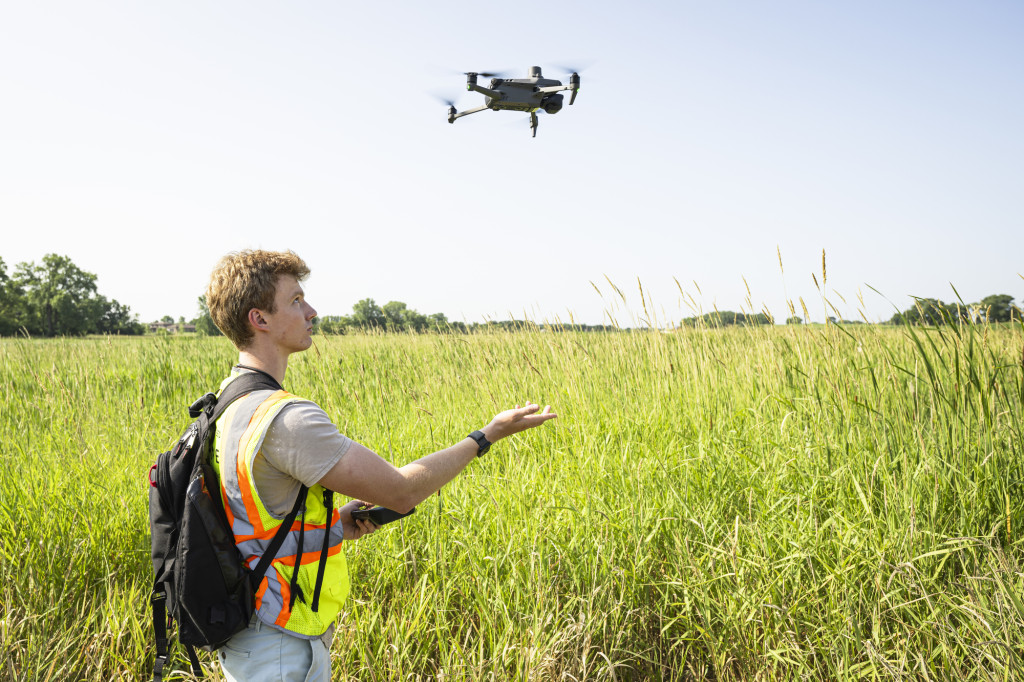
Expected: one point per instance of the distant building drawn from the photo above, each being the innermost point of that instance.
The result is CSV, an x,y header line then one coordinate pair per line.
x,y
171,327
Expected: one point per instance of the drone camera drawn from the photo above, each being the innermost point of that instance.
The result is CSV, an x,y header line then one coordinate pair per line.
x,y
552,104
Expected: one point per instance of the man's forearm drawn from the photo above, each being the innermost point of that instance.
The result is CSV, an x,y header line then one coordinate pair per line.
x,y
363,474
428,474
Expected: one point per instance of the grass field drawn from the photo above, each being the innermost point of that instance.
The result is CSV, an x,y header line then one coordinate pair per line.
x,y
750,503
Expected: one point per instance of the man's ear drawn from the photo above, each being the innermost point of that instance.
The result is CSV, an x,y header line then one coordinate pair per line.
x,y
257,320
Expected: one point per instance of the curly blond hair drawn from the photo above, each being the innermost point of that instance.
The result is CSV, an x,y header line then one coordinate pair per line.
x,y
244,280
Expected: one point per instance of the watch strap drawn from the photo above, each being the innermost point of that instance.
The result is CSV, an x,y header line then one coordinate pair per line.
x,y
481,440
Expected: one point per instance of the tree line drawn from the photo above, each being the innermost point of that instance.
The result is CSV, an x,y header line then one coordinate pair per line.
x,y
933,312
924,311
395,316
57,298
726,318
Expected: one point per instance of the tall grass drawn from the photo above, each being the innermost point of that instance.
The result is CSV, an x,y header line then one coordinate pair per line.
x,y
759,503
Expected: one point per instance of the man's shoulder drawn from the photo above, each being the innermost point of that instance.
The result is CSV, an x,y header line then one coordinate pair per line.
x,y
297,407
299,414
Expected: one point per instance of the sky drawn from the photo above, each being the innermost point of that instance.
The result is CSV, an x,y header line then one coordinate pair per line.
x,y
708,141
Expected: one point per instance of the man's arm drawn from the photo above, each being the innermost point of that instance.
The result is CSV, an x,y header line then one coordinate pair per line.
x,y
363,474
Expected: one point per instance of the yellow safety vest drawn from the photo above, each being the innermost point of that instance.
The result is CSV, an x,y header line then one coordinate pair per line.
x,y
239,436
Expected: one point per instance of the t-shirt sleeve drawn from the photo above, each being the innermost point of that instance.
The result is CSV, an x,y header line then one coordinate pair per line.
x,y
301,445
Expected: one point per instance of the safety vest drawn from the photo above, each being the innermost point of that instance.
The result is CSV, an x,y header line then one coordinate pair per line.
x,y
239,436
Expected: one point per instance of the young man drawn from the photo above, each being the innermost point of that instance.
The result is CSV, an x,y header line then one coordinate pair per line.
x,y
270,443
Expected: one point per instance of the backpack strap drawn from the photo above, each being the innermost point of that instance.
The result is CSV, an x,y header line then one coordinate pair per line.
x,y
244,384
329,506
261,568
159,603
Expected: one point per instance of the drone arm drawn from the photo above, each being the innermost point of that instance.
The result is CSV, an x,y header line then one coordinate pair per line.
x,y
493,94
553,88
467,112
574,85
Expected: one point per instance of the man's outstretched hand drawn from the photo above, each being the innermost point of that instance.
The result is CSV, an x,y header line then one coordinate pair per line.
x,y
517,419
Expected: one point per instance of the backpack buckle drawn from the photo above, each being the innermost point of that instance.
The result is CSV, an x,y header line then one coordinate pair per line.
x,y
196,408
158,666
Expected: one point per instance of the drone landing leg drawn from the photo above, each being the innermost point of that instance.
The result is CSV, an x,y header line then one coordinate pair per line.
x,y
533,122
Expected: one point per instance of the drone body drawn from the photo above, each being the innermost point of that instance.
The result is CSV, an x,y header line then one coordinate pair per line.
x,y
519,94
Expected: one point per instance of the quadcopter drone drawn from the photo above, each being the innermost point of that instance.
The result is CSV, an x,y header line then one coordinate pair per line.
x,y
519,94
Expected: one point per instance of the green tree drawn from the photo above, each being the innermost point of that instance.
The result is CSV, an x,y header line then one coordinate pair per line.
x,y
368,315
58,298
400,317
439,322
997,308
725,318
204,322
928,311
333,324
417,321
395,313
794,320
57,293
111,317
12,311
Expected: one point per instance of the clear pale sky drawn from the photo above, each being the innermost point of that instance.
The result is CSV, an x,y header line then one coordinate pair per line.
x,y
145,140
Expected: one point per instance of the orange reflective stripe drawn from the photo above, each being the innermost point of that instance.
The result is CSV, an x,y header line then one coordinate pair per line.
x,y
264,584
226,503
286,597
242,463
252,512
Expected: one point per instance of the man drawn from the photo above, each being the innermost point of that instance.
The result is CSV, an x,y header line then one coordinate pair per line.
x,y
270,443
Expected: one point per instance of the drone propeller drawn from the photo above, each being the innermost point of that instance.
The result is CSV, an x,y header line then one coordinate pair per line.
x,y
445,98
579,68
574,78
485,74
450,102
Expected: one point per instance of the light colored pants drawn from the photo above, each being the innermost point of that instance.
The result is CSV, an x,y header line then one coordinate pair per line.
x,y
261,653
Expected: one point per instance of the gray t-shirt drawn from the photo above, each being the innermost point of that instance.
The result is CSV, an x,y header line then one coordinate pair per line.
x,y
301,446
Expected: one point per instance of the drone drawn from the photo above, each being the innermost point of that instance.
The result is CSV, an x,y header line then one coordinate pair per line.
x,y
518,94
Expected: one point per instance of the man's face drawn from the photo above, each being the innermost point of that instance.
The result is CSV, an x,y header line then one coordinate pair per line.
x,y
291,323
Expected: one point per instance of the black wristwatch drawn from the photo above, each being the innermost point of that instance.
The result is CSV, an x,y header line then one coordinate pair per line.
x,y
481,441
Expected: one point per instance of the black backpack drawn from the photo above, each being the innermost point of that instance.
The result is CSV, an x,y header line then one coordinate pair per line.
x,y
200,580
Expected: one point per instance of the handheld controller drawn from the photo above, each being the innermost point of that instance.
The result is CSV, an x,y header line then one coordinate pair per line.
x,y
380,515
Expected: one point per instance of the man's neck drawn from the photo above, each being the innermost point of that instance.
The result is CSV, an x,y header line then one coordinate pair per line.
x,y
273,364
